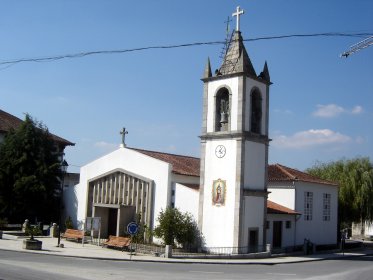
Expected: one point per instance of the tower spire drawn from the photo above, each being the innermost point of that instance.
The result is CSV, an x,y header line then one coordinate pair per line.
x,y
207,73
265,73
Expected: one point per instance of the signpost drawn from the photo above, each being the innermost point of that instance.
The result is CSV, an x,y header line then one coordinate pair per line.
x,y
132,229
93,224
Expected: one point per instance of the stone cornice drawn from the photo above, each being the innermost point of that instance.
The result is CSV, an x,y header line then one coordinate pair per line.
x,y
261,193
237,74
236,135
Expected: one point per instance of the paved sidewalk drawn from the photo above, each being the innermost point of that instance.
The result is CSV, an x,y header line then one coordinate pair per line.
x,y
74,249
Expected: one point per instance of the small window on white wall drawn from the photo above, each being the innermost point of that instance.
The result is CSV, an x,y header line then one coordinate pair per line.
x,y
326,206
288,224
308,206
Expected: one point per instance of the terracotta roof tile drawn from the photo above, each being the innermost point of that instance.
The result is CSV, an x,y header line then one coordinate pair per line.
x,y
278,172
8,122
274,208
183,165
186,165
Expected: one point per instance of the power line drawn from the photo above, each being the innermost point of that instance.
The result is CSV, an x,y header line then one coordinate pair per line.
x,y
9,63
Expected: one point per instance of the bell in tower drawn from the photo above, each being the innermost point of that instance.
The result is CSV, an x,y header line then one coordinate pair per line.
x,y
224,114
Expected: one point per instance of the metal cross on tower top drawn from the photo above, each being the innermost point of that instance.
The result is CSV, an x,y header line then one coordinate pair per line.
x,y
123,132
237,14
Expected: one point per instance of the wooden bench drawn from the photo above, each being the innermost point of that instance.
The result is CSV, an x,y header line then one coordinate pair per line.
x,y
118,242
73,234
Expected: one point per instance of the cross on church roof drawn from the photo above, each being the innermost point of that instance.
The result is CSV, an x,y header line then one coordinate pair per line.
x,y
123,132
237,14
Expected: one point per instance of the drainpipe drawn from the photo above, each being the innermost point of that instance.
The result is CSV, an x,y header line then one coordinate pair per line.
x,y
296,216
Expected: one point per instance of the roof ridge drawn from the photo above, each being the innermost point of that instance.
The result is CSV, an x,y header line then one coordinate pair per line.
x,y
276,207
163,153
2,111
302,175
283,169
10,121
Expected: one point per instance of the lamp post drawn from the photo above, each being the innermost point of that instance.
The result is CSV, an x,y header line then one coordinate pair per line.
x,y
64,166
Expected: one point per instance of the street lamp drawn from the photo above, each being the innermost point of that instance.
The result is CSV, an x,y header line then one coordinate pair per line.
x,y
64,166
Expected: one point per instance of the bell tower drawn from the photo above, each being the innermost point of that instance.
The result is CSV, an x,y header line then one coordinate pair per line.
x,y
234,150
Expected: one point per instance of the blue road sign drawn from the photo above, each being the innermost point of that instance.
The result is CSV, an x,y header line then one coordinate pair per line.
x,y
132,228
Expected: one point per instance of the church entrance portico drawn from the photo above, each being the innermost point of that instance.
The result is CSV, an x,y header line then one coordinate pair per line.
x,y
114,218
120,197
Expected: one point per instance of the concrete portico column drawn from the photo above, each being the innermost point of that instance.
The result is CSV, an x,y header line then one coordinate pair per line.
x,y
94,192
120,201
137,196
115,189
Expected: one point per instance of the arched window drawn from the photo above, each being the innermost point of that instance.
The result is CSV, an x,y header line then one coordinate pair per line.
x,y
222,110
256,112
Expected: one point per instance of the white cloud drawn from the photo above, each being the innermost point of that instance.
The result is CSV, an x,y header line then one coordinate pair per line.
x,y
310,138
333,110
106,146
357,110
328,111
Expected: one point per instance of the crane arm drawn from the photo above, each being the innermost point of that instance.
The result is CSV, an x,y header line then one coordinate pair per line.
x,y
358,46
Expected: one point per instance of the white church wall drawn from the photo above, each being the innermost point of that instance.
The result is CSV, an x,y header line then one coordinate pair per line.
x,y
70,204
288,234
213,86
250,221
218,221
250,84
185,179
131,161
186,200
283,195
317,230
255,166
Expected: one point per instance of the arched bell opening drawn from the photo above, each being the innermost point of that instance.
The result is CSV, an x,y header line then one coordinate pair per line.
x,y
222,110
256,112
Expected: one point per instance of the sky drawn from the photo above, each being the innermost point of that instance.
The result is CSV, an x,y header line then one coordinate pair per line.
x,y
321,105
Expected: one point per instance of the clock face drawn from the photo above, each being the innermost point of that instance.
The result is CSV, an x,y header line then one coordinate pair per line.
x,y
220,151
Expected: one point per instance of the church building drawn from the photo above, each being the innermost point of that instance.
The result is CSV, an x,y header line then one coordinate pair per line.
x,y
227,189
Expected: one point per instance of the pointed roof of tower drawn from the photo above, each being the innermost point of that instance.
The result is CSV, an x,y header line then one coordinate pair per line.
x,y
265,73
207,73
236,59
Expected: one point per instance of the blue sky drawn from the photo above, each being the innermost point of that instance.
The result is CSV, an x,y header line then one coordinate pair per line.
x,y
321,105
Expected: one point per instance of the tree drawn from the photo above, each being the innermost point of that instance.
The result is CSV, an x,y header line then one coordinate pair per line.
x,y
176,226
355,179
29,171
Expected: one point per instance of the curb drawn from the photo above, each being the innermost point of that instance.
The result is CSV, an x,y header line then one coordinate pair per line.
x,y
200,261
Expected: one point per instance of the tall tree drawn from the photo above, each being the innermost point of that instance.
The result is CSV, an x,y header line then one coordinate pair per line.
x,y
355,179
29,171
